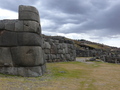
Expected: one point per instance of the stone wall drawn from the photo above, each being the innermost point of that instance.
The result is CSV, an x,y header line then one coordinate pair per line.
x,y
21,50
111,57
89,52
58,49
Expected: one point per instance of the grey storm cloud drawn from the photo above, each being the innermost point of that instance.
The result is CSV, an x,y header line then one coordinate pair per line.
x,y
67,6
13,4
86,15
75,16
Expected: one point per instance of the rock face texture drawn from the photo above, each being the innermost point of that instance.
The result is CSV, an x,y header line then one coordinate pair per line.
x,y
58,49
21,51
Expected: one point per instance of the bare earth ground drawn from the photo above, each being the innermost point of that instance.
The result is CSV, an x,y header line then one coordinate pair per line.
x,y
68,76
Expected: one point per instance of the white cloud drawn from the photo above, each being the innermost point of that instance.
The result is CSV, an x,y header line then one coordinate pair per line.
x,y
47,23
7,14
115,41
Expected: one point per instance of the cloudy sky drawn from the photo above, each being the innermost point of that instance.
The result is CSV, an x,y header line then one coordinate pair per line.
x,y
94,20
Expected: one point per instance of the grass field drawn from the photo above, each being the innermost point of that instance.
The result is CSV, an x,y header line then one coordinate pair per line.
x,y
68,76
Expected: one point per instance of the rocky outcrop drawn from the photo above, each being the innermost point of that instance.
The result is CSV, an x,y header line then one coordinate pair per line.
x,y
58,49
21,51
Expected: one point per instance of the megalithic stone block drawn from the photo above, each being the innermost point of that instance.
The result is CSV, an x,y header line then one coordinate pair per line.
x,y
10,25
27,56
27,26
19,25
5,57
8,38
29,39
7,25
23,71
43,67
28,8
28,13
30,71
21,44
2,25
32,26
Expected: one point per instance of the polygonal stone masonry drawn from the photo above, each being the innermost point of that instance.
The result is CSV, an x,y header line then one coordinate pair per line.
x,y
21,50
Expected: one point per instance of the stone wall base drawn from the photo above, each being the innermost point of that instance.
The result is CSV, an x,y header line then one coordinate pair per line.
x,y
24,71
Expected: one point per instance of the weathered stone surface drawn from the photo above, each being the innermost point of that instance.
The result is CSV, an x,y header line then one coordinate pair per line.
x,y
68,56
32,26
53,51
9,70
30,71
26,15
8,38
43,67
5,57
21,44
66,50
7,24
47,45
47,51
22,39
28,8
2,25
19,25
27,26
60,51
58,56
23,71
10,25
28,39
27,56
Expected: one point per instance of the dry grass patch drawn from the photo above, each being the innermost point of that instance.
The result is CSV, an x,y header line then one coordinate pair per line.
x,y
68,76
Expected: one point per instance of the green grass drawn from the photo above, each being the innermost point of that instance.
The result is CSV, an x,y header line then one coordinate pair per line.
x,y
68,76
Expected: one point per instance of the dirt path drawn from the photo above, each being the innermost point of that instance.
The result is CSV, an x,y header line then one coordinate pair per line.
x,y
84,59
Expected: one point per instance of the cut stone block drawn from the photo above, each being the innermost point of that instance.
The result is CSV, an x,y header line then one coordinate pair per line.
x,y
47,45
27,56
29,39
27,15
8,38
23,71
30,71
10,25
32,26
19,25
2,25
28,8
5,57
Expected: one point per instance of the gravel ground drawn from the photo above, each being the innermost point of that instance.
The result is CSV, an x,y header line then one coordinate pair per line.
x,y
84,59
